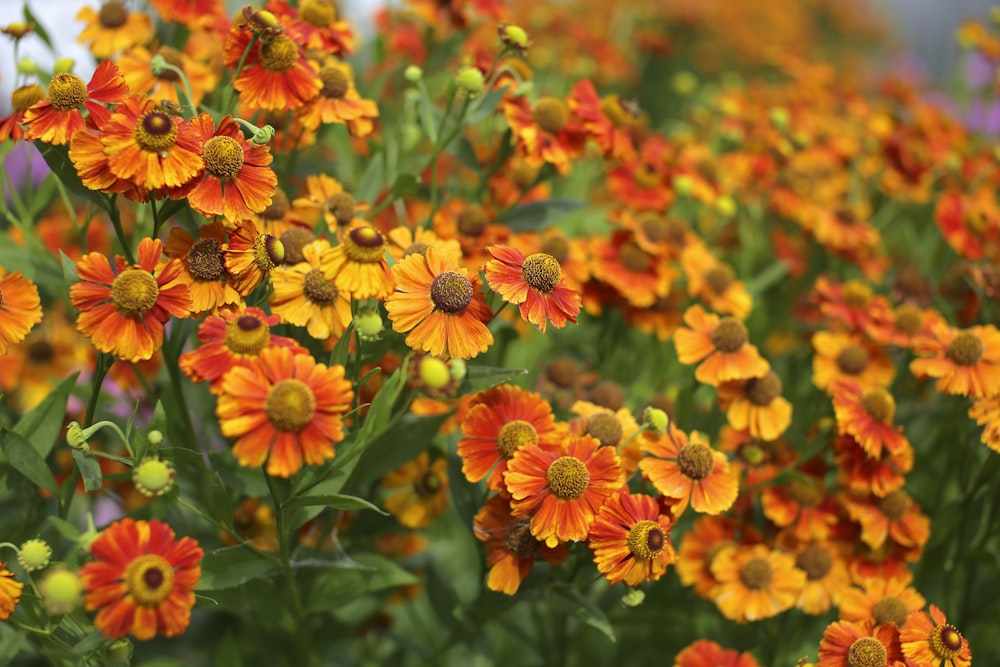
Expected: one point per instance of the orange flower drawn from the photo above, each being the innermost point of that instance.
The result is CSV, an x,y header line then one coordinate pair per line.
x,y
827,577
136,68
325,199
928,639
965,362
606,121
755,582
86,152
689,470
250,256
500,421
113,28
986,412
276,74
440,306
903,325
803,506
861,473
511,549
844,643
358,266
612,429
535,283
10,592
56,119
303,297
339,102
237,181
895,516
867,416
849,356
630,539
20,309
638,276
188,12
315,25
283,409
142,580
205,265
720,345
562,491
883,600
405,241
418,491
851,304
21,99
123,310
714,283
700,545
706,653
756,405
545,132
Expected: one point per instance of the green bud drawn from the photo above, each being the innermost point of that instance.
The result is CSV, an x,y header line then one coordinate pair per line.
x,y
470,80
458,369
514,36
633,598
780,117
34,555
656,420
434,373
63,65
154,437
413,74
27,66
368,323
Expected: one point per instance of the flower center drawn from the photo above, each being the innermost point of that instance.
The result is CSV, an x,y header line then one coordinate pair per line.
x,y
290,405
889,610
806,494
173,58
562,372
867,652
514,435
149,579
519,542
646,539
67,92
719,279
336,83
946,642
134,291
278,207
279,54
695,461
634,258
879,404
472,221
365,245
895,505
965,349
756,574
908,319
761,391
567,478
655,227
541,271
606,428
815,561
857,294
524,176
341,207
451,292
293,240
26,97
205,261
317,288
429,484
558,247
729,335
247,335
317,13
155,132
112,15
608,394
39,352
852,360
550,114
267,252
223,157
416,248
646,176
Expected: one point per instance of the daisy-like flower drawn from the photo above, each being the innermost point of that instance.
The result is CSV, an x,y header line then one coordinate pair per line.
x,y
56,119
928,639
339,102
150,147
440,306
250,255
546,131
689,470
700,545
324,199
86,152
803,506
861,473
123,310
21,99
713,282
851,304
205,264
847,644
606,120
20,308
237,181
636,274
706,653
884,600
842,356
417,492
405,241
562,491
188,12
827,577
358,266
511,549
315,25
113,28
719,346
10,592
965,362
866,415
630,539
986,412
276,74
232,339
535,283
757,406
755,582
142,579
499,422
903,325
303,297
895,516
136,67
283,410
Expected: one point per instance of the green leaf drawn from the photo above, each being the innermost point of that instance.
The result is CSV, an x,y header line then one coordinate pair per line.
x,y
89,643
70,276
65,528
466,154
487,105
767,278
140,438
39,28
338,355
400,444
228,652
231,566
26,460
386,573
57,157
44,423
380,411
539,214
90,471
372,179
571,602
336,501
406,185
478,378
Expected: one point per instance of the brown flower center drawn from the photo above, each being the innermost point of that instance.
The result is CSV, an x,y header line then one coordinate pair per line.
x,y
318,289
416,248
336,82
909,318
173,58
634,258
541,271
719,279
279,54
567,478
26,97
608,394
112,14
247,335
562,372
278,207
429,484
524,176
756,574
889,610
557,246
729,335
646,176
965,349
155,132
293,240
646,539
867,652
695,461
514,435
550,114
655,227
290,405
267,252
806,494
317,13
134,291
205,261
472,221
451,292
857,294
946,642
365,245
879,404
606,428
40,351
761,391
815,561
149,579
519,542
895,505
223,157
67,92
852,360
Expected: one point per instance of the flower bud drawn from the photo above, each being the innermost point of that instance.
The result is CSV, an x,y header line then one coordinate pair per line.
x,y
633,598
683,185
514,37
458,369
434,373
725,206
63,65
470,80
413,74
34,555
27,66
780,117
368,323
656,420
154,437
76,437
61,591
153,477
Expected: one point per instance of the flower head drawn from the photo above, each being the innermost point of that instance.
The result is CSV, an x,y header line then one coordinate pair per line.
x,y
417,492
56,119
755,582
863,644
630,539
113,28
688,469
928,639
10,592
20,309
304,297
535,283
965,362
276,74
720,345
358,266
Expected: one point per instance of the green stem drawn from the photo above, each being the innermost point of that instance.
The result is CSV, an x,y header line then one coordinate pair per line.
x,y
101,368
116,221
227,96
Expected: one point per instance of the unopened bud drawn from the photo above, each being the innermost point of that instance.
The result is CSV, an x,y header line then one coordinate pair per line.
x,y
27,66
153,477
656,420
154,437
514,37
470,80
633,598
34,555
434,373
413,73
63,65
61,591
368,323
458,369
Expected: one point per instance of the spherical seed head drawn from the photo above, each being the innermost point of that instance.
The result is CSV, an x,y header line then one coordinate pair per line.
x,y
965,349
67,92
890,610
470,80
293,240
149,579
365,244
909,319
113,14
895,505
550,114
567,478
514,435
646,539
205,261
134,291
341,206
756,574
857,293
223,157
472,220
451,292
26,96
34,555
267,252
153,477
278,207
815,561
247,335
416,248
867,652
155,132
413,73
514,36
336,82
806,494
541,271
606,428
695,461
879,404
852,360
634,258
518,540
290,405
729,335
434,373
563,372
318,289
608,394
278,54
763,390
719,278
557,247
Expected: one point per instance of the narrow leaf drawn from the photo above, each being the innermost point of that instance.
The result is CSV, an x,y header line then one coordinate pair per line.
x,y
44,423
26,460
90,471
336,501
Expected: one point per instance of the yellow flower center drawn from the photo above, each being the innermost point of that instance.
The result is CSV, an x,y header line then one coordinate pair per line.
x,y
223,157
557,247
695,461
606,428
293,240
946,642
173,58
541,271
247,335
290,405
317,13
67,91
719,279
965,349
889,610
655,227
852,360
365,245
278,207
113,14
756,574
634,258
857,294
416,248
134,291
472,221
267,252
26,97
155,132
815,561
646,539
149,579
895,505
514,435
550,114
567,478
729,335
621,113
762,391
806,494
279,54
341,207
879,404
153,477
524,176
908,319
646,176
318,289
451,292
867,652
518,540
336,82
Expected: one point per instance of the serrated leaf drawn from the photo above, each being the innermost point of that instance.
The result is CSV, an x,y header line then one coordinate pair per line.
x,y
90,471
25,459
231,566
478,378
540,214
43,424
337,501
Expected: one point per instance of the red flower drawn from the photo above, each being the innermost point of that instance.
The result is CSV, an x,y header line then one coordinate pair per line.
x,y
56,119
535,283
